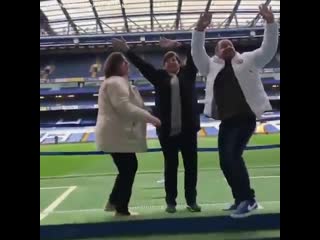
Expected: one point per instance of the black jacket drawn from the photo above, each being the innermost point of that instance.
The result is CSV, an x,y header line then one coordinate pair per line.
x,y
161,80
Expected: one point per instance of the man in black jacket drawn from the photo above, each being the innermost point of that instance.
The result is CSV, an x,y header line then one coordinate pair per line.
x,y
176,107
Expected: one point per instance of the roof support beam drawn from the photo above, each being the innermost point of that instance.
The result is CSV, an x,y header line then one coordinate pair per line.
x,y
256,19
235,9
236,18
96,15
151,14
124,16
139,27
112,29
177,22
44,24
208,5
159,24
222,23
154,14
65,12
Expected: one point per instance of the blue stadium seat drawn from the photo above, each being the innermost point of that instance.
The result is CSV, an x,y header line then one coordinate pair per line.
x,y
211,131
88,121
92,137
205,119
48,141
75,138
151,133
271,129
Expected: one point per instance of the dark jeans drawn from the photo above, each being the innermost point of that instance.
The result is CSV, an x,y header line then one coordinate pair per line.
x,y
127,165
234,134
187,143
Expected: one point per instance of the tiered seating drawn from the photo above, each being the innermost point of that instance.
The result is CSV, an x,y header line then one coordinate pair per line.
x,y
269,128
70,66
92,137
151,133
88,122
211,131
205,119
48,141
75,138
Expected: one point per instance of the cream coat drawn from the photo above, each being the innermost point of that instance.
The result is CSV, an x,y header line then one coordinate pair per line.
x,y
121,122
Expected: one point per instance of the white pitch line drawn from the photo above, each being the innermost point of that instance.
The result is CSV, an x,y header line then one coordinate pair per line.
x,y
180,171
264,177
160,207
259,177
53,205
49,188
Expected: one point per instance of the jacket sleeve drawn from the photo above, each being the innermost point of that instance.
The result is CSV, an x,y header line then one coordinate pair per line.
x,y
146,69
198,52
190,66
118,93
263,55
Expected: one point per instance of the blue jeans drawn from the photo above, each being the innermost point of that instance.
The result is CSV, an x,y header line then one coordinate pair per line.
x,y
234,134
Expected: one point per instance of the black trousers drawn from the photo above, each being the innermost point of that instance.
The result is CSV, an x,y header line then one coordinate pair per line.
x,y
127,165
187,143
234,134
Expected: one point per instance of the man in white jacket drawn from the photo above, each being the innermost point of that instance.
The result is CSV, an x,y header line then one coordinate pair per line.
x,y
235,95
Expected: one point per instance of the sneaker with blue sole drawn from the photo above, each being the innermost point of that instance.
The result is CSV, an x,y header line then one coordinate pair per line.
x,y
245,209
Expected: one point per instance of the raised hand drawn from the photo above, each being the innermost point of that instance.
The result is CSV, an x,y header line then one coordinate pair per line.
x,y
204,21
154,121
266,13
120,44
168,43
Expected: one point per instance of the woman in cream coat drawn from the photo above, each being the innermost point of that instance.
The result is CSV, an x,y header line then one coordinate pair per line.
x,y
121,128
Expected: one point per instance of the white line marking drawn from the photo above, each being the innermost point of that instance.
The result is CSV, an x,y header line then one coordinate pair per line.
x,y
53,205
259,177
159,207
49,188
264,177
102,174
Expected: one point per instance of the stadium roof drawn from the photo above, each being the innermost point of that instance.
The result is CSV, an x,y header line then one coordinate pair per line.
x,y
73,17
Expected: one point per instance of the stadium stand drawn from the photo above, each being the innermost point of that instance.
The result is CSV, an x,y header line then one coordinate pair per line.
x,y
91,137
151,133
211,131
269,128
78,66
68,69
75,138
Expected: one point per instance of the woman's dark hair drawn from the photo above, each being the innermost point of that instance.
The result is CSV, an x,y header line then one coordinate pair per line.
x,y
169,55
111,65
